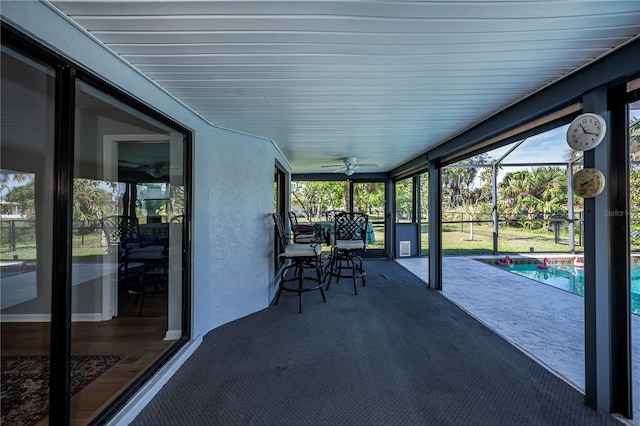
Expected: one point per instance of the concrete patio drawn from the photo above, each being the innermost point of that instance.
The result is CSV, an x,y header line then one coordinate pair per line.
x,y
543,321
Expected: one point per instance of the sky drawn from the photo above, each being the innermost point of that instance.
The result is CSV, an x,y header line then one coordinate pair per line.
x,y
550,146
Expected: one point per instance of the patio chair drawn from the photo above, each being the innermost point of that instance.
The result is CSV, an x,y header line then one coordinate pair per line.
x,y
350,231
121,233
146,278
302,233
123,236
303,257
330,215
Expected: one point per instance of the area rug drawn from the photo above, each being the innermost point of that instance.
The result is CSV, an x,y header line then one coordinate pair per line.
x,y
25,384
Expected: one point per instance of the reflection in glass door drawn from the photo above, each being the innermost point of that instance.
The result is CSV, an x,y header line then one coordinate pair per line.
x,y
127,263
26,203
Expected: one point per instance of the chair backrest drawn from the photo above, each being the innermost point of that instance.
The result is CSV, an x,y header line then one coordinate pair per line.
x,y
330,215
153,233
351,226
120,230
177,219
293,219
282,234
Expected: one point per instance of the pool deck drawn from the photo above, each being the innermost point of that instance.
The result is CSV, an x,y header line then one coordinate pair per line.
x,y
545,322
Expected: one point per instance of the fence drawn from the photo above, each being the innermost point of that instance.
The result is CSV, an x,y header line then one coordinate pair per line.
x,y
20,235
463,233
17,233
555,226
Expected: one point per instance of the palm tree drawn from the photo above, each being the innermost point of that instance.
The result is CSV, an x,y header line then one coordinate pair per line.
x,y
536,194
90,198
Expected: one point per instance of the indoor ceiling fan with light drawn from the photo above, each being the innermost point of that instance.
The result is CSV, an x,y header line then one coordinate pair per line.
x,y
350,166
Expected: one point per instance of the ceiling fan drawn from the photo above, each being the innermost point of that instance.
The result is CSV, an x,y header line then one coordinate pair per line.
x,y
350,166
155,170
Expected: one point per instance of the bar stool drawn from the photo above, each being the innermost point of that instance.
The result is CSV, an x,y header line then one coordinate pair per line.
x,y
350,231
301,233
303,256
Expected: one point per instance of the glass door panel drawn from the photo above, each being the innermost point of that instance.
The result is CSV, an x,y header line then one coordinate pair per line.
x,y
26,202
128,209
369,197
424,214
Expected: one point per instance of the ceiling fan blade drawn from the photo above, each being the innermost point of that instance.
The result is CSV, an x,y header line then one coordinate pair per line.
x,y
333,165
125,163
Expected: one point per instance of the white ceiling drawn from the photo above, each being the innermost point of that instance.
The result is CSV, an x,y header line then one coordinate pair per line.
x,y
383,81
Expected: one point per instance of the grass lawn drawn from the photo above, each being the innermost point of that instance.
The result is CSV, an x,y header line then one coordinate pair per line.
x,y
456,241
89,245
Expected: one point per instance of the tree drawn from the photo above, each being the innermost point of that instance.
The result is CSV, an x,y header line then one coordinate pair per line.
x,y
315,197
467,190
24,196
457,179
404,197
91,199
369,197
23,184
634,178
634,138
536,194
475,200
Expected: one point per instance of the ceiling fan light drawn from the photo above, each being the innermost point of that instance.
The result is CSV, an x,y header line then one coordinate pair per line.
x,y
156,173
349,171
350,161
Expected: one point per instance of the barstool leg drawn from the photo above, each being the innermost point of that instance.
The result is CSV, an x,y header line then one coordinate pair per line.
x,y
319,275
300,287
279,291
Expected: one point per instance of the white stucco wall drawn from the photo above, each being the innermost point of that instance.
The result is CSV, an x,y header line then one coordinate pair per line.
x,y
232,180
234,187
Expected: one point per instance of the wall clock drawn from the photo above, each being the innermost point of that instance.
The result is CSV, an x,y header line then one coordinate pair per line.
x,y
588,182
586,131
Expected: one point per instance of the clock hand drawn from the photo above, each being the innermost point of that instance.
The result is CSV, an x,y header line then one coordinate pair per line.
x,y
585,183
584,131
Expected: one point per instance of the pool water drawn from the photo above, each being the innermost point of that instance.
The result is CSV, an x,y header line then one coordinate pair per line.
x,y
568,278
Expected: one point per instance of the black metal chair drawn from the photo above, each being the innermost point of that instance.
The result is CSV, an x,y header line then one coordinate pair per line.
x,y
330,215
133,253
302,233
303,256
121,233
349,238
147,278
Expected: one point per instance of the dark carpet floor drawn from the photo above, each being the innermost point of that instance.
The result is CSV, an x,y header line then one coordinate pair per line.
x,y
396,354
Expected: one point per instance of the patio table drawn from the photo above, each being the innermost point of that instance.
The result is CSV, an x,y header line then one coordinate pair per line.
x,y
324,229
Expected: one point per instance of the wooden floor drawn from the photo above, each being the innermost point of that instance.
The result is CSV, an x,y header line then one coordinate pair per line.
x,y
138,338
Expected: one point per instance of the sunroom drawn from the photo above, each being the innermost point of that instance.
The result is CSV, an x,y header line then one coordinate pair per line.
x,y
189,123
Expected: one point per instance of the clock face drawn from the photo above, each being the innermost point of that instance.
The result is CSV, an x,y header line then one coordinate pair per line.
x,y
588,183
586,131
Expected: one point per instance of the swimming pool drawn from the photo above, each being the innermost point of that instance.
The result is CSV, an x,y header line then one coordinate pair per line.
x,y
568,278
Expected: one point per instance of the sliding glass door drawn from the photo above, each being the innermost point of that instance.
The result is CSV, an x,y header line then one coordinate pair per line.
x,y
94,275
127,259
26,200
